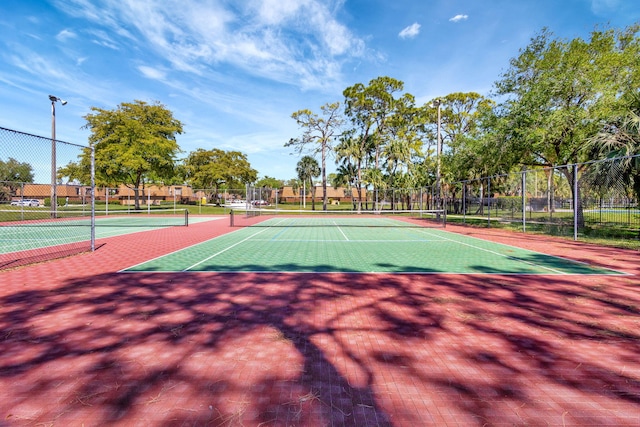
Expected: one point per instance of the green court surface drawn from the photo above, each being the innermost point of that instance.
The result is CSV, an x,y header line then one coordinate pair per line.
x,y
387,246
45,234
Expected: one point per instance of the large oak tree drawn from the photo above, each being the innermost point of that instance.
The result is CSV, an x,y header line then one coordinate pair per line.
x,y
134,142
211,170
558,93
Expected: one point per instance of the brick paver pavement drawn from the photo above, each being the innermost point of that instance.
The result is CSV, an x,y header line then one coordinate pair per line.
x,y
81,345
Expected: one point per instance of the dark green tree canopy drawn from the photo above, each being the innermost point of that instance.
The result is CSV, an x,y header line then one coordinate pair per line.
x,y
558,93
12,174
269,182
132,141
133,144
15,171
215,169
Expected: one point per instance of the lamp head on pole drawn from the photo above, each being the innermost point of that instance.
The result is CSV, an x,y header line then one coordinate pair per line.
x,y
55,98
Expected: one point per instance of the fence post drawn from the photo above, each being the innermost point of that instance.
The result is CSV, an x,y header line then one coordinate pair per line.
x,y
575,201
464,202
489,202
524,201
93,198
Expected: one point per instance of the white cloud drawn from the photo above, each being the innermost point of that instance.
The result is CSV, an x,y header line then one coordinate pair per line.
x,y
298,42
275,12
459,18
65,35
103,39
152,73
601,7
410,32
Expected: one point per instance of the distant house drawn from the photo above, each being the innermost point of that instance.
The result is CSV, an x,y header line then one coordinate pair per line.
x,y
43,191
334,195
155,194
81,194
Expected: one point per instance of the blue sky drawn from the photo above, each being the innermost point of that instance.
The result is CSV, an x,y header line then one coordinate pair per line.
x,y
234,71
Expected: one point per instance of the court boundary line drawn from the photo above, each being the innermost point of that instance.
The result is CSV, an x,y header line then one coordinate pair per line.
x,y
503,255
223,251
622,273
178,250
418,273
427,231
99,235
185,248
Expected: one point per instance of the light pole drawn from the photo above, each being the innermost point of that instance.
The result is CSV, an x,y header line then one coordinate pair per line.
x,y
54,193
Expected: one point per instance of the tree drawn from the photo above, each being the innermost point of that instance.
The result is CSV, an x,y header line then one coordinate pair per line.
x,y
267,185
12,174
559,92
351,155
462,119
269,182
307,169
214,169
132,143
79,172
403,145
374,111
318,131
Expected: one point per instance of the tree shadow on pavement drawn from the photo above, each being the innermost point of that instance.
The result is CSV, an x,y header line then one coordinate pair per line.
x,y
327,349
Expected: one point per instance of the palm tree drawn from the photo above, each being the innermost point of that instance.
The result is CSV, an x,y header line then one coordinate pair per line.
x,y
353,153
620,140
307,169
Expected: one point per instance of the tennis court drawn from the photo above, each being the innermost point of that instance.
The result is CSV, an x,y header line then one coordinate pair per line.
x,y
85,345
25,230
318,243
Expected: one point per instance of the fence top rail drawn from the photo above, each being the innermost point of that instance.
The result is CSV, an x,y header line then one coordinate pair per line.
x,y
543,168
41,137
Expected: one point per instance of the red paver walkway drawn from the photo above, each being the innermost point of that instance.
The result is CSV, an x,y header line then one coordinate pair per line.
x,y
81,345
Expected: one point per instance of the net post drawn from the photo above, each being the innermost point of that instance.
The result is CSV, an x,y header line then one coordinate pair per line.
x,y
575,202
186,217
524,200
231,215
444,213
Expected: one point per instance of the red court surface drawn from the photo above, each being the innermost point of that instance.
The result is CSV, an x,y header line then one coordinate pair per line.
x,y
82,345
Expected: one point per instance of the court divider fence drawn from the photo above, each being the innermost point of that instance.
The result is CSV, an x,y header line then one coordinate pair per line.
x,y
597,199
29,184
591,199
42,217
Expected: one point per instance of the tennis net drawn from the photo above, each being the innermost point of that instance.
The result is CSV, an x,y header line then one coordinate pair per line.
x,y
38,217
341,218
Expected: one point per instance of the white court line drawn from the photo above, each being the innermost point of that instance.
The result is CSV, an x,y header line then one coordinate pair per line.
x,y
499,254
124,270
226,249
341,232
349,240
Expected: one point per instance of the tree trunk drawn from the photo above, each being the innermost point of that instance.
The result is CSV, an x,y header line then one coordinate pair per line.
x,y
324,177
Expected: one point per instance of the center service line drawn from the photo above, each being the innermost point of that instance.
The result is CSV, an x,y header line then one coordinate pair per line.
x,y
225,249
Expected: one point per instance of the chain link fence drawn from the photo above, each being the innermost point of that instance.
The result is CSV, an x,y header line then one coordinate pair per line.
x,y
303,198
31,195
597,199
